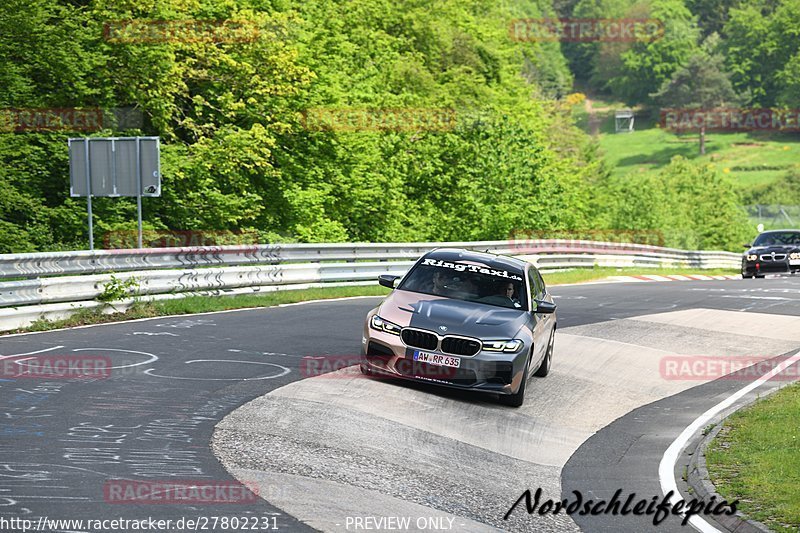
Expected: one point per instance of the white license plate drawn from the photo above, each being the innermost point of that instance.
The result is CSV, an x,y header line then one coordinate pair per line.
x,y
437,359
794,262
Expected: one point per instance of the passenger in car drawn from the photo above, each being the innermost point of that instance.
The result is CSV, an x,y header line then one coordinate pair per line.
x,y
440,280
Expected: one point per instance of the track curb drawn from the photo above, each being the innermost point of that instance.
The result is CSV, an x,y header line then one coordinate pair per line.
x,y
699,480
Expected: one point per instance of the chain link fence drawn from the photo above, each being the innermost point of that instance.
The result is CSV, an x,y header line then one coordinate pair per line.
x,y
774,216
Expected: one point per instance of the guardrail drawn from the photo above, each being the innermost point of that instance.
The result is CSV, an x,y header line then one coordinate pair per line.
x,y
81,277
106,261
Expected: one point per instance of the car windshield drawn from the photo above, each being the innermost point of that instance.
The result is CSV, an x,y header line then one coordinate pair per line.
x,y
468,281
779,237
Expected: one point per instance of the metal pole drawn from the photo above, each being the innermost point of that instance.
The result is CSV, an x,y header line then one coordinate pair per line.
x,y
139,190
89,192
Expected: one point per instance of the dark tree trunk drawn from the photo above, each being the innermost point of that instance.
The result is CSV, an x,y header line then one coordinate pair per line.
x,y
703,140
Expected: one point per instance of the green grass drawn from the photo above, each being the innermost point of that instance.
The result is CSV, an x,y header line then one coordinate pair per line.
x,y
756,458
750,158
205,304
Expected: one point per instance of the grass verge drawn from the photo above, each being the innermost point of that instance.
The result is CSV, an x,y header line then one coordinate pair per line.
x,y
756,459
749,159
200,304
204,304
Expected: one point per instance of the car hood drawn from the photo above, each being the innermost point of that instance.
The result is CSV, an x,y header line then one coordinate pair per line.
x,y
777,248
471,319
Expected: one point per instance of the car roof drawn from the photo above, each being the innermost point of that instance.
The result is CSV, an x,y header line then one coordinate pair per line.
x,y
489,259
780,231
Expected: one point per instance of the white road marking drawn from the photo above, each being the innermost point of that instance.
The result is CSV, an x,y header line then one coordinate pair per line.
x,y
666,469
151,334
153,357
188,323
31,353
748,297
284,371
233,350
656,277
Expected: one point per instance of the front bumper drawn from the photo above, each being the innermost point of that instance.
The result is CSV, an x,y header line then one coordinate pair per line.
x,y
752,268
498,373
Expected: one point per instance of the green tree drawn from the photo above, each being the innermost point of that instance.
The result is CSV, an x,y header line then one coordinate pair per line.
x,y
702,84
784,191
712,14
694,207
648,63
762,50
632,70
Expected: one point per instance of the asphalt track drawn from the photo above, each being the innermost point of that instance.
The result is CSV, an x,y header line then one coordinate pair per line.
x,y
209,397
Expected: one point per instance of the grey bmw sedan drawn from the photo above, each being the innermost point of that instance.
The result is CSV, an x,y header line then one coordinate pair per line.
x,y
463,319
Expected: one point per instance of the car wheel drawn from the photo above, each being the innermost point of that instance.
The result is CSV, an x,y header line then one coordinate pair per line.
x,y
759,276
518,398
547,362
746,276
365,369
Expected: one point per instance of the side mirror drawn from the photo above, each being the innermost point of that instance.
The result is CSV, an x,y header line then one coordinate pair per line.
x,y
747,245
388,280
544,307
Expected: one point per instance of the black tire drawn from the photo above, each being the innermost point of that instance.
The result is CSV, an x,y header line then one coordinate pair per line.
x,y
518,398
759,276
547,362
364,369
746,276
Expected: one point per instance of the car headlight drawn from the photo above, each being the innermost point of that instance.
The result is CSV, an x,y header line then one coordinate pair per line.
x,y
513,345
384,325
752,257
795,255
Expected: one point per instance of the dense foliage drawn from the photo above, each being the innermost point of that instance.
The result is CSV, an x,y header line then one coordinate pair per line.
x,y
238,152
692,206
701,83
785,191
760,42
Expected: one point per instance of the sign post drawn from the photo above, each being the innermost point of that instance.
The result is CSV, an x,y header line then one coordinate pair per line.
x,y
115,167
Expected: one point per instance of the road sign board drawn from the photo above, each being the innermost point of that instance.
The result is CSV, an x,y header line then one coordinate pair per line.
x,y
115,166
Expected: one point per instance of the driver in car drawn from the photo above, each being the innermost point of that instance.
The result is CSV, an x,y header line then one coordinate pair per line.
x,y
507,289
